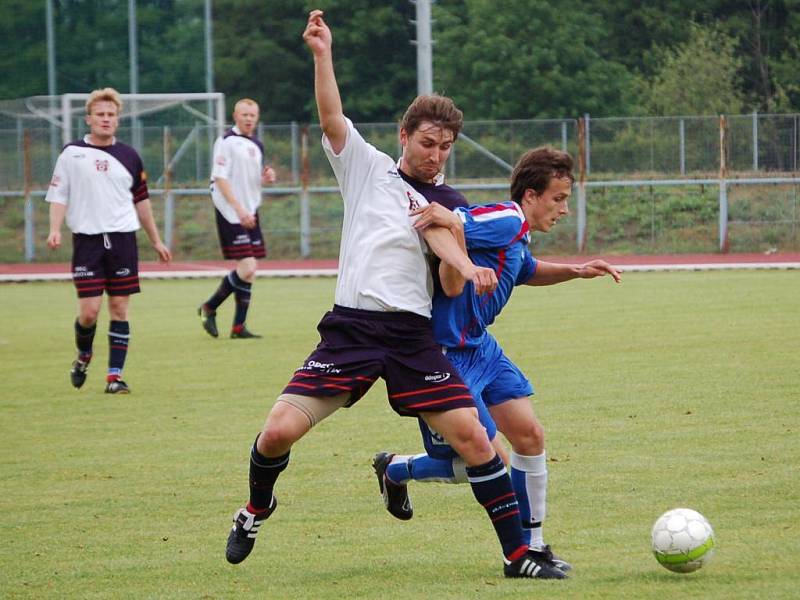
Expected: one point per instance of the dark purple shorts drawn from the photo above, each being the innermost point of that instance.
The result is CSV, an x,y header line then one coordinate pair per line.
x,y
358,346
105,262
238,242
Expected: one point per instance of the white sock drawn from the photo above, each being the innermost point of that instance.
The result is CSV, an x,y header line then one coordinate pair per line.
x,y
530,485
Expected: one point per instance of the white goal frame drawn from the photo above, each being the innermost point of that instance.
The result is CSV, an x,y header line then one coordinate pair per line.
x,y
69,108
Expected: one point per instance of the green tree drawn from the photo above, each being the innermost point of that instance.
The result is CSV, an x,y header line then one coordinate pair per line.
x,y
260,53
527,60
23,55
699,77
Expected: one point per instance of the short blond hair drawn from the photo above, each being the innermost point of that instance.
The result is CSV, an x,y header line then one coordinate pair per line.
x,y
104,95
245,101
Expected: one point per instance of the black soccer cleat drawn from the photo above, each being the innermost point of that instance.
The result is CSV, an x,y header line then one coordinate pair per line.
x,y
244,334
117,386
556,560
209,319
535,565
77,374
242,537
395,495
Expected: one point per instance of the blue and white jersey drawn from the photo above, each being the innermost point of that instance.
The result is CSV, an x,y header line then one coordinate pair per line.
x,y
497,237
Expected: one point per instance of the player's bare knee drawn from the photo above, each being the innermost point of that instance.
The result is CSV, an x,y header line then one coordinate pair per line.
x,y
277,438
473,445
246,269
529,441
88,316
285,425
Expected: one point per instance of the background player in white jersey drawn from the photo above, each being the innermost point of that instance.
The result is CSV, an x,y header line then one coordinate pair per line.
x,y
497,236
100,186
380,323
236,179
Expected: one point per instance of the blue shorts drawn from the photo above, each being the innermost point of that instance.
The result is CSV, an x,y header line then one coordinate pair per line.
x,y
492,378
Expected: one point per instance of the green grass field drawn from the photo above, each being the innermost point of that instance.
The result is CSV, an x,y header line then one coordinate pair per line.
x,y
671,389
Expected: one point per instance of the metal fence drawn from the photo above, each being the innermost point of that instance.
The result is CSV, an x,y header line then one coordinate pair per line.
x,y
652,185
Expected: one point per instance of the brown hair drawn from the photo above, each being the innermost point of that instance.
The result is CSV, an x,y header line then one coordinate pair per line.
x,y
536,168
439,110
104,95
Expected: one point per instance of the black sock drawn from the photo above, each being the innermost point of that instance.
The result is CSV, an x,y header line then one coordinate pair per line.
x,y
264,472
242,294
84,337
224,290
491,486
118,338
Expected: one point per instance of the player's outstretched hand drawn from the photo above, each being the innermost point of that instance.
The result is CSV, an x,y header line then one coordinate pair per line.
x,y
317,34
598,268
484,279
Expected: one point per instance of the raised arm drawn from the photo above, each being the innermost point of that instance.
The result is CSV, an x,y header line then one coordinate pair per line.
x,y
318,37
552,273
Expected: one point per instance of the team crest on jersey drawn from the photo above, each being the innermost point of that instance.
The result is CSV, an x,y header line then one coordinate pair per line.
x,y
101,165
55,181
413,203
220,161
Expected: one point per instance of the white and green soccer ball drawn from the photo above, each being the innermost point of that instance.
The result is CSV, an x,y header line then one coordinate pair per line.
x,y
683,540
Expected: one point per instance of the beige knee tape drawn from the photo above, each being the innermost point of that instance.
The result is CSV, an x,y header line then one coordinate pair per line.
x,y
316,409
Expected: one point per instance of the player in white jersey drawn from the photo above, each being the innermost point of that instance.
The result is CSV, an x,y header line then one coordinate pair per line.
x,y
100,186
236,179
380,323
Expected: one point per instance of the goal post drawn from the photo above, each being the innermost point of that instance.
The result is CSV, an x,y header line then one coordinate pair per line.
x,y
138,105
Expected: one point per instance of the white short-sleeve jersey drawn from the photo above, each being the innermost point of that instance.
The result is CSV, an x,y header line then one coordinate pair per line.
x,y
99,185
238,159
382,264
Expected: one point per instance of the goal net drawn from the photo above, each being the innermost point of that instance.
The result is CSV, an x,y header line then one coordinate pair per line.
x,y
181,125
66,112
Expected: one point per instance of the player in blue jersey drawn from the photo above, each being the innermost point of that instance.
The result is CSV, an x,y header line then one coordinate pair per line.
x,y
497,236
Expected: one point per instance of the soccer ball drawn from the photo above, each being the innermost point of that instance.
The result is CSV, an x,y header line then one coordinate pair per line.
x,y
683,540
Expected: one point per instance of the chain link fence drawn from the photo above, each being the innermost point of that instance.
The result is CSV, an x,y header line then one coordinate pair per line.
x,y
652,184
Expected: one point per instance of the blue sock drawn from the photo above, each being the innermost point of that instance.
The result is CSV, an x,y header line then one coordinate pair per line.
x,y
426,468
